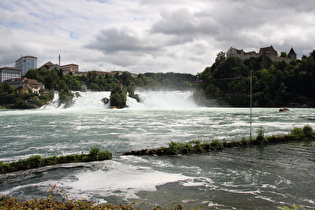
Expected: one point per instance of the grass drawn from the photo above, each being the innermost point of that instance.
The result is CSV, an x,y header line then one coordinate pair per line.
x,y
37,161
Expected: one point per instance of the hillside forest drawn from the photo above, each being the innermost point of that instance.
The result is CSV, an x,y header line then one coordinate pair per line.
x,y
227,82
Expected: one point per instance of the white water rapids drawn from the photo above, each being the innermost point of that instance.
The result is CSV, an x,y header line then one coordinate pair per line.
x,y
149,100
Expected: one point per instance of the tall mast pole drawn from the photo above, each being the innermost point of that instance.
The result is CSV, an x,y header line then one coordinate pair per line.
x,y
251,102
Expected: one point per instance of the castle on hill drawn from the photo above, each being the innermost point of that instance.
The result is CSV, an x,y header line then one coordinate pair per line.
x,y
264,52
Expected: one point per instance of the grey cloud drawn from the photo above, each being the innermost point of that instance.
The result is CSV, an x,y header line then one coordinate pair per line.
x,y
114,40
183,22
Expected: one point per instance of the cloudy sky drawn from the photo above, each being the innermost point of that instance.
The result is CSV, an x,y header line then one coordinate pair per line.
x,y
150,35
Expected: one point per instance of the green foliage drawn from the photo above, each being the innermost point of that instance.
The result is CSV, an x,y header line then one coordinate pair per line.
x,y
174,148
37,161
168,81
274,83
217,145
307,130
293,207
20,104
261,135
296,131
118,98
193,147
200,147
94,151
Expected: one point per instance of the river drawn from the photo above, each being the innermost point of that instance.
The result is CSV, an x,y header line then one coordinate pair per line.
x,y
251,178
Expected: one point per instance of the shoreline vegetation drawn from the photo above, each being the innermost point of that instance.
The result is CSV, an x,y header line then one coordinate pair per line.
x,y
202,147
36,161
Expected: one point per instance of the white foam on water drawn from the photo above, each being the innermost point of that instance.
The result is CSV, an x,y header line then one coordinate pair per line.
x,y
121,180
201,181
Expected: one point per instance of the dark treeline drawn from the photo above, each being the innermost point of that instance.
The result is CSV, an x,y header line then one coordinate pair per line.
x,y
96,81
168,81
227,82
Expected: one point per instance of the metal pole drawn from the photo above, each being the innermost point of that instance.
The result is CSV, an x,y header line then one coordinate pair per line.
x,y
251,102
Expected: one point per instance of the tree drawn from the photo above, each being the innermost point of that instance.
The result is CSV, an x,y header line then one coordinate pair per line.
x,y
220,57
283,54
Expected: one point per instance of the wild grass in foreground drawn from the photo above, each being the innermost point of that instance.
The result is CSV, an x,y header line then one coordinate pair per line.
x,y
201,147
37,161
65,203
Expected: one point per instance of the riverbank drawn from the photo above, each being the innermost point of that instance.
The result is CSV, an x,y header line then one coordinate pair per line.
x,y
201,147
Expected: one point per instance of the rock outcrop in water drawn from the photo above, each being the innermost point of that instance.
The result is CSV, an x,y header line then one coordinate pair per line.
x,y
105,100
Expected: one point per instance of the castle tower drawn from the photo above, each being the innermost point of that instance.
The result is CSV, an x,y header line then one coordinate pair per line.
x,y
292,54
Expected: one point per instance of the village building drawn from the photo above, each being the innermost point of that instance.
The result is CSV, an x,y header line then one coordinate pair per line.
x,y
74,68
9,73
25,85
50,66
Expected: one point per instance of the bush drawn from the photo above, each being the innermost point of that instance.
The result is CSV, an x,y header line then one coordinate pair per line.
x,y
118,99
261,139
307,130
35,161
20,104
94,151
37,102
198,149
174,148
297,131
216,145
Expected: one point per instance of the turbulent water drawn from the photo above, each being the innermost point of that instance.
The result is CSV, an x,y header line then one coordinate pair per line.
x,y
251,178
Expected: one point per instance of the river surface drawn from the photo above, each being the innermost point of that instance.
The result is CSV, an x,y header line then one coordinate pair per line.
x,y
251,178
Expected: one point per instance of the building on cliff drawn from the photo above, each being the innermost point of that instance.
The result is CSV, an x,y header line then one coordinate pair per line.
x,y
264,52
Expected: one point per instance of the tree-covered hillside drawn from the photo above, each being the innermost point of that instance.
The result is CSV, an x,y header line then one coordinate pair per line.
x,y
227,82
98,81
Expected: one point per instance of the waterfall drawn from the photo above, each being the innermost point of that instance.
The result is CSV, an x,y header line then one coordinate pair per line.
x,y
54,103
85,100
90,100
163,100
148,100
